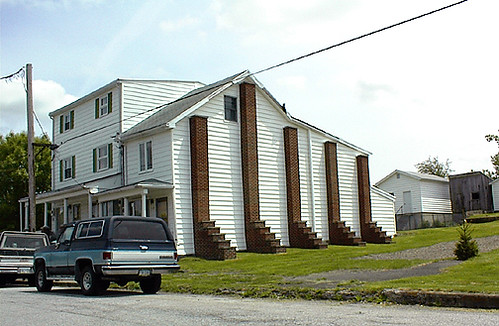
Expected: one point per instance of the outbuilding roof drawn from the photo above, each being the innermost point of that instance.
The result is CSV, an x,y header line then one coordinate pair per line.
x,y
414,175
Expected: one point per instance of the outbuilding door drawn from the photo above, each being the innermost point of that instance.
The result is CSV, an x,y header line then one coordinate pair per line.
x,y
407,202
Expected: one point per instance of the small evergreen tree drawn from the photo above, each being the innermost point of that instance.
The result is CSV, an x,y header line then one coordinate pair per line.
x,y
466,247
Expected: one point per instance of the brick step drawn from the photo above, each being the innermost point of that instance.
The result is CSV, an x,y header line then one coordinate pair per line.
x,y
340,234
374,234
264,241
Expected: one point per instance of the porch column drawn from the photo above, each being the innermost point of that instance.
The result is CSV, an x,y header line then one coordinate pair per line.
x,y
26,215
20,216
126,208
89,203
65,210
45,214
144,203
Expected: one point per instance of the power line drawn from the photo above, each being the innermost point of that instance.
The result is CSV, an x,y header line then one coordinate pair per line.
x,y
357,38
17,74
272,67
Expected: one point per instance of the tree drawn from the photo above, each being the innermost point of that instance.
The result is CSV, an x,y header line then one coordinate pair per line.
x,y
466,248
433,166
494,158
14,174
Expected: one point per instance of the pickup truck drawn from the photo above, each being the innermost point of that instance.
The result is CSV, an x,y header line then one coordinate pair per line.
x,y
16,255
98,251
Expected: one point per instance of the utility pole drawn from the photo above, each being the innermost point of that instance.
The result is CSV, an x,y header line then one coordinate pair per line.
x,y
31,157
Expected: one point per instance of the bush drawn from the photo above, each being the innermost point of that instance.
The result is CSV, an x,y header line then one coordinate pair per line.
x,y
466,247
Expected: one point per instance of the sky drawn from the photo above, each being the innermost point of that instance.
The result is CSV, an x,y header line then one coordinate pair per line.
x,y
426,88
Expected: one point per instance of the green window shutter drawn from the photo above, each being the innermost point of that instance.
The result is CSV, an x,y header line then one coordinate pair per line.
x,y
73,166
109,102
110,155
96,108
72,117
61,124
95,160
61,170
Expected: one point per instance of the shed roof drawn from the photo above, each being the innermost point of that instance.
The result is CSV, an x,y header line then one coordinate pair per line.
x,y
414,175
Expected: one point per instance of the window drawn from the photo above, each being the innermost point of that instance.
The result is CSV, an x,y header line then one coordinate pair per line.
x,y
475,195
103,157
90,229
145,156
230,106
103,105
66,121
67,168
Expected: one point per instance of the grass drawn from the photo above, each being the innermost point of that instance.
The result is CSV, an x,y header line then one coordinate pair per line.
x,y
264,275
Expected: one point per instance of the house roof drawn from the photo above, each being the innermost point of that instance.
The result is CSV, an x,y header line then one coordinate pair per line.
x,y
414,175
108,87
175,109
172,112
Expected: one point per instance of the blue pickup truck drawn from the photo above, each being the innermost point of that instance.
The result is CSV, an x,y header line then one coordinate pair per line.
x,y
98,251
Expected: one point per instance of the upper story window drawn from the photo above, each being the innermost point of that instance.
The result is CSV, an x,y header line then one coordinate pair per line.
x,y
66,121
67,168
230,107
103,157
103,105
145,156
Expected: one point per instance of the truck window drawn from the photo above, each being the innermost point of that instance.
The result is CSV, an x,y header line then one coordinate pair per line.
x,y
66,234
139,230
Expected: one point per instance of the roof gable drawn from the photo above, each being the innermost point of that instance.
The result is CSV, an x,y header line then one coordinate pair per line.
x,y
413,175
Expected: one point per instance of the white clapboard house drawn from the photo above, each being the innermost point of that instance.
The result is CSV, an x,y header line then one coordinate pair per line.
x,y
223,164
422,200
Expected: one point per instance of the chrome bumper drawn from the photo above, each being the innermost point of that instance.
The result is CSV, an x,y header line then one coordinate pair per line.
x,y
139,270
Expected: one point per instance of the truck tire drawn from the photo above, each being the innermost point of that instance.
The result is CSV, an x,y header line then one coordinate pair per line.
x,y
41,282
151,285
90,282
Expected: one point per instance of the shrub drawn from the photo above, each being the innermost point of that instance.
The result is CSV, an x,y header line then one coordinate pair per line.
x,y
466,247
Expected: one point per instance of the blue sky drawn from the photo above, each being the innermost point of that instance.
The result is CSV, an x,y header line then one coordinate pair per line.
x,y
425,88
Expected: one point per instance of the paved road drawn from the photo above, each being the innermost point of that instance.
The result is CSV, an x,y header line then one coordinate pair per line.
x,y
24,306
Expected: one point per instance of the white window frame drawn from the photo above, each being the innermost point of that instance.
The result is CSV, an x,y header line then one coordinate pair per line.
x,y
145,156
67,168
103,106
67,121
104,158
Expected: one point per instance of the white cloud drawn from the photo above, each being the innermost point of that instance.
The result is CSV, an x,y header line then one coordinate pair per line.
x,y
47,96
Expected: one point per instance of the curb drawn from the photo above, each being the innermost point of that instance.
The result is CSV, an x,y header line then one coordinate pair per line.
x,y
443,299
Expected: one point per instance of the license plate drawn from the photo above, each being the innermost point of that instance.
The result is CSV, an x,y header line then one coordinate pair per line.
x,y
144,272
24,270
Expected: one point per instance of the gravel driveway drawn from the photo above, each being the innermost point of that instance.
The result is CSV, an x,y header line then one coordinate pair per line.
x,y
442,251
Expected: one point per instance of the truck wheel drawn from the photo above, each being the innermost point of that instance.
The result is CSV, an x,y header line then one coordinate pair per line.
x,y
41,282
151,285
90,282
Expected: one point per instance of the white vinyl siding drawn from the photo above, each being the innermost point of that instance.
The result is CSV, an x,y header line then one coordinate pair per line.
x,y
435,197
88,130
271,167
182,189
495,194
383,211
225,174
161,158
143,98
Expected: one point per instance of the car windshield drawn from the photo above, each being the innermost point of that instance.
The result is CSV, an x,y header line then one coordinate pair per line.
x,y
23,241
139,230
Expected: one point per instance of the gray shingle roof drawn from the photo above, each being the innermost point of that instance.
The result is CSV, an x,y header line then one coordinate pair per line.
x,y
172,110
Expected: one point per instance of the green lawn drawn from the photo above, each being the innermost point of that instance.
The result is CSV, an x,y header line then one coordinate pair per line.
x,y
259,274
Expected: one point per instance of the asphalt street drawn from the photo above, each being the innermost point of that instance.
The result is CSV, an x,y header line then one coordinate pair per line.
x,y
22,305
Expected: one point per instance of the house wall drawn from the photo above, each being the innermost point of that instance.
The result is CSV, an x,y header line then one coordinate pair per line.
x,y
383,211
495,195
147,96
161,154
435,197
84,142
397,187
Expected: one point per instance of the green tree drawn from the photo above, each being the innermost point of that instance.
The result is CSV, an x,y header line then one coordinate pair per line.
x,y
433,166
14,174
466,248
494,158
